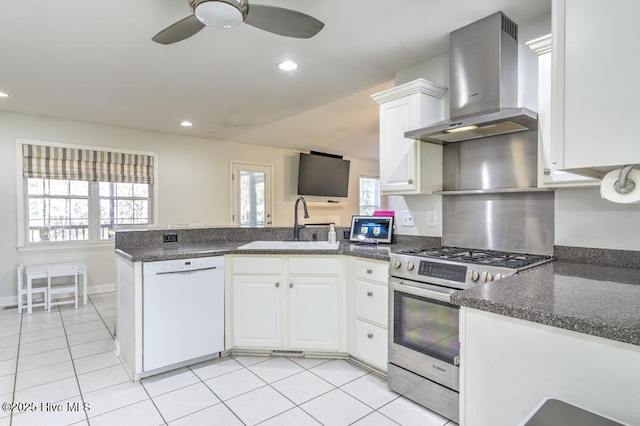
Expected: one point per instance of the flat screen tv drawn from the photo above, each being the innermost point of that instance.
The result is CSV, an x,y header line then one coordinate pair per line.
x,y
323,175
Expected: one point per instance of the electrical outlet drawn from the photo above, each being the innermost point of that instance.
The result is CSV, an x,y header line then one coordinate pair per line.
x,y
432,217
170,237
407,219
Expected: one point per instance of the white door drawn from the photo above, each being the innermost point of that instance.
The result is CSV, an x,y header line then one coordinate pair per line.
x,y
251,189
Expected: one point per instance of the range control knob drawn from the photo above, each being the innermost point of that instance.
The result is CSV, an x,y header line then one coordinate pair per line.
x,y
410,266
473,275
498,277
485,277
395,263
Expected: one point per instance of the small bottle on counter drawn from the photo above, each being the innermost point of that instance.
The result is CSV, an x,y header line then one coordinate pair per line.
x,y
332,234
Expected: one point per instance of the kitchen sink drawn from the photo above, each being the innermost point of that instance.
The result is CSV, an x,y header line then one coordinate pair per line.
x,y
290,245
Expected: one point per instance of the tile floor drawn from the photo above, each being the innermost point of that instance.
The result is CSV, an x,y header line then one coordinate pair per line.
x,y
53,365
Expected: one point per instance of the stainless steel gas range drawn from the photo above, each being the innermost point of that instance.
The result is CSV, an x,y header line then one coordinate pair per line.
x,y
423,340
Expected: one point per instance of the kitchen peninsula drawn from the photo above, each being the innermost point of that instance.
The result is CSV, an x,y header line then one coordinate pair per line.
x,y
566,329
300,300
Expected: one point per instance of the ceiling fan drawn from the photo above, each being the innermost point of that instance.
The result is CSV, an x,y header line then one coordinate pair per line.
x,y
229,13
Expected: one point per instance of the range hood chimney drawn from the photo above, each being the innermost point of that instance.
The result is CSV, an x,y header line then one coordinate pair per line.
x,y
483,60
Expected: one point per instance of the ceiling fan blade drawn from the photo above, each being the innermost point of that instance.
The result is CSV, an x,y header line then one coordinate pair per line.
x,y
284,22
182,29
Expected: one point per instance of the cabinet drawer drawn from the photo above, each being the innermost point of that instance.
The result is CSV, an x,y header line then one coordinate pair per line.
x,y
314,266
372,344
257,265
376,271
372,302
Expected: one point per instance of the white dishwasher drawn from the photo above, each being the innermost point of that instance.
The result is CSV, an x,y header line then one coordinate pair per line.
x,y
182,310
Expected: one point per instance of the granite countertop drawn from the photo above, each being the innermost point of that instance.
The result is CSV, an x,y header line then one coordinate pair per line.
x,y
220,248
591,299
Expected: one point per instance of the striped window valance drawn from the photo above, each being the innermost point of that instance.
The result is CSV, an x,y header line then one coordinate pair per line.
x,y
52,162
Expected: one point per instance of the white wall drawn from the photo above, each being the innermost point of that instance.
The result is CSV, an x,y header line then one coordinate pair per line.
x,y
193,186
584,219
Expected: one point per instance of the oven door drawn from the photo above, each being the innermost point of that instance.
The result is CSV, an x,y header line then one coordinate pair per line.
x,y
424,330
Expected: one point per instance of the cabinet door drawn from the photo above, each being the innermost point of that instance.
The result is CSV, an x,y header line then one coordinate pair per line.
x,y
408,166
398,156
314,313
595,84
257,311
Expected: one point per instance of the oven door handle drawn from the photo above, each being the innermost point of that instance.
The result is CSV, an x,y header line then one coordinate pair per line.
x,y
442,296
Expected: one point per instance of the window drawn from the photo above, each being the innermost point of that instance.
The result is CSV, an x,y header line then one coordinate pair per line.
x,y
73,194
58,210
369,195
123,204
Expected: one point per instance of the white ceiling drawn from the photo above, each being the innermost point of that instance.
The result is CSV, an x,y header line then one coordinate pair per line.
x,y
94,61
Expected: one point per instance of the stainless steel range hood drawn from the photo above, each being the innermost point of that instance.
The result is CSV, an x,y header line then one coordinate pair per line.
x,y
483,60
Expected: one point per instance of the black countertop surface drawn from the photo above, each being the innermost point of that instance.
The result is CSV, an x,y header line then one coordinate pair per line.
x,y
219,248
592,299
598,300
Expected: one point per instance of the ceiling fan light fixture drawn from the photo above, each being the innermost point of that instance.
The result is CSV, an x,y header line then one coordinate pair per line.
x,y
4,95
221,13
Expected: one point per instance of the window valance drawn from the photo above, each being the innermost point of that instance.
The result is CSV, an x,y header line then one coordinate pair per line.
x,y
50,162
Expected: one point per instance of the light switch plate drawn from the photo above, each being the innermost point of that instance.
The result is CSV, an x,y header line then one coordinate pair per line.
x,y
407,219
432,217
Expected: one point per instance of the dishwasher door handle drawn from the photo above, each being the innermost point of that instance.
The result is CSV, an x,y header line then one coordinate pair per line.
x,y
187,271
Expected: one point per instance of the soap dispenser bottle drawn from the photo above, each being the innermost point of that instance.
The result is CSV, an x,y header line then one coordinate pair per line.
x,y
332,234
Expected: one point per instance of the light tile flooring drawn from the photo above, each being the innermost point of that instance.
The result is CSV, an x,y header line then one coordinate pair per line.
x,y
53,365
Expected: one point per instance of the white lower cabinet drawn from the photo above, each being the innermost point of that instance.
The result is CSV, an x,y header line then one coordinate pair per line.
x,y
369,293
509,365
371,344
313,313
257,308
286,302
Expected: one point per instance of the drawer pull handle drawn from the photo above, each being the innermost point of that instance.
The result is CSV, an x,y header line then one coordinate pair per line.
x,y
290,285
370,335
369,271
277,284
369,293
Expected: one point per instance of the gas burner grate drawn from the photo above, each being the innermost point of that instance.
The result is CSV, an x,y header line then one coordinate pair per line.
x,y
484,257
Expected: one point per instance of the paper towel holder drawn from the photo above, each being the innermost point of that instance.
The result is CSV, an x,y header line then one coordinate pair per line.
x,y
624,185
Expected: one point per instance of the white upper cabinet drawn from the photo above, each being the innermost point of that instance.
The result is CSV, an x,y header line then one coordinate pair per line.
x,y
595,86
548,174
408,166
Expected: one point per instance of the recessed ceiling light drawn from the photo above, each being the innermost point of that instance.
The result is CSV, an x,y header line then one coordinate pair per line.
x,y
186,124
4,95
287,66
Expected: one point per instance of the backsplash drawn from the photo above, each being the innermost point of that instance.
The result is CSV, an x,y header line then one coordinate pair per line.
x,y
133,239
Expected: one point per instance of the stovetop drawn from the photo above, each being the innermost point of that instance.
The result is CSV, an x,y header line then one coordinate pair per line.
x,y
486,257
458,267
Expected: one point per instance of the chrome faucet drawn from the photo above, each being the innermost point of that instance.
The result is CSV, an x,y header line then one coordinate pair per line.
x,y
296,227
